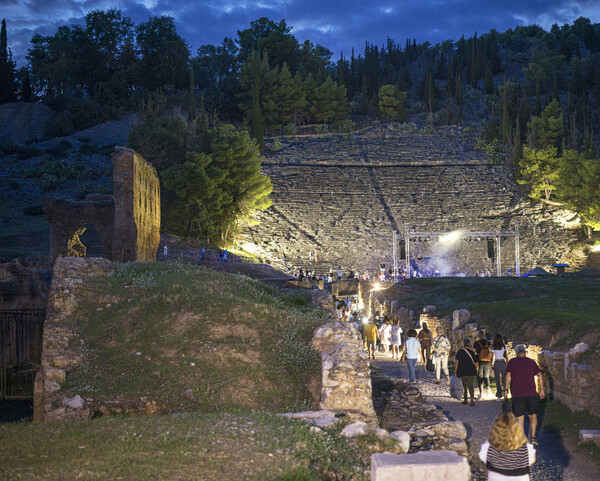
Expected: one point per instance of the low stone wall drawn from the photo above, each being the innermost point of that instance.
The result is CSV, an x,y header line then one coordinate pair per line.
x,y
61,344
346,375
570,381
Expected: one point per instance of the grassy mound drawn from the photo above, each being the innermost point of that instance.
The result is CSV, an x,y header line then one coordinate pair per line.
x,y
568,304
190,446
192,339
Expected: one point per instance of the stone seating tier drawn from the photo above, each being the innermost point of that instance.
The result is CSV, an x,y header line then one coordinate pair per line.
x,y
333,197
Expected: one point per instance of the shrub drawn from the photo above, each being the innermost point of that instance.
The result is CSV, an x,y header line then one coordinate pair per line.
x,y
88,149
277,145
33,210
322,129
494,149
290,129
347,125
428,129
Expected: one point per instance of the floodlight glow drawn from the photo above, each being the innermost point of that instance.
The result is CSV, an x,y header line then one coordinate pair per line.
x,y
450,238
595,248
249,247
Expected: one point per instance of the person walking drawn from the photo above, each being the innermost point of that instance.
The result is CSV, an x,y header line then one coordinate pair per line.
x,y
385,332
396,339
465,367
483,349
507,454
499,356
202,254
441,350
371,335
412,353
425,337
521,373
165,251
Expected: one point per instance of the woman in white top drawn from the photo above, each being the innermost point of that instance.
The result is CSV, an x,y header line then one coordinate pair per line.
x,y
499,365
385,332
507,454
396,339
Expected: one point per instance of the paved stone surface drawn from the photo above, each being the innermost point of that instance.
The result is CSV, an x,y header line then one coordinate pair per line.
x,y
424,465
555,459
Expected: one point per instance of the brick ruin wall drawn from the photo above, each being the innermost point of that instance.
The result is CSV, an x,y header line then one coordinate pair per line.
x,y
137,198
128,222
343,197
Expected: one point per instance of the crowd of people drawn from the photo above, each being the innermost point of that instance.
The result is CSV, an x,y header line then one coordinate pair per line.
x,y
509,453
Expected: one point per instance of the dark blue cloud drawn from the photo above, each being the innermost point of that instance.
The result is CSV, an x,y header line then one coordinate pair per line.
x,y
335,24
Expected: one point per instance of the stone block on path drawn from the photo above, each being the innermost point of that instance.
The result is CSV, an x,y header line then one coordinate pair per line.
x,y
586,435
424,465
459,318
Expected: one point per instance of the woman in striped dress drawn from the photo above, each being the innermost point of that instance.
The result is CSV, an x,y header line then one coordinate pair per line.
x,y
507,454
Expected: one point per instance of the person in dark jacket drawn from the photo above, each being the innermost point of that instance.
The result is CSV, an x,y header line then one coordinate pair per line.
x,y
465,367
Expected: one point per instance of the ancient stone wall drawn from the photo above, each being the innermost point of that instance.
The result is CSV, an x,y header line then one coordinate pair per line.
x,y
346,375
67,217
137,207
571,380
61,345
343,197
128,223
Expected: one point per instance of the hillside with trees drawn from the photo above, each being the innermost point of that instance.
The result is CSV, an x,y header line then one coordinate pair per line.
x,y
532,95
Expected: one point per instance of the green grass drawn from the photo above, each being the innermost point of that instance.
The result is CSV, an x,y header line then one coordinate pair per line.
x,y
248,446
559,302
558,418
193,339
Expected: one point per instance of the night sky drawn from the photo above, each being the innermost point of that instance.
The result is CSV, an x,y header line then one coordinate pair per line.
x,y
337,25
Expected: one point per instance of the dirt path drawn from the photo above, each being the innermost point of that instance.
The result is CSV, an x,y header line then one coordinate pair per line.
x,y
555,459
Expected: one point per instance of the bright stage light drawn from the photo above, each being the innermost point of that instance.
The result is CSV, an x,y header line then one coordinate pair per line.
x,y
595,248
450,238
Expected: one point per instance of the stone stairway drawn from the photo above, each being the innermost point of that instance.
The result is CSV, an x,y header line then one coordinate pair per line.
x,y
343,196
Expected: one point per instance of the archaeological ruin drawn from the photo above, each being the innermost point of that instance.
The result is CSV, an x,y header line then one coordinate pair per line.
x,y
128,222
343,197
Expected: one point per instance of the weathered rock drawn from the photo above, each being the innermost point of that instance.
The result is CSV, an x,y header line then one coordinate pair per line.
x,y
424,465
450,429
75,402
357,428
429,309
586,435
346,381
403,440
459,318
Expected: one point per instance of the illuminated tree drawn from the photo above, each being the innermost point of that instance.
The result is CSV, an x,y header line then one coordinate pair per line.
x,y
391,103
540,171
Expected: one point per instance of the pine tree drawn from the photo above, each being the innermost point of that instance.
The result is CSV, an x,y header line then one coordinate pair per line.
x,y
518,149
26,94
192,96
256,125
505,116
489,83
8,84
538,101
459,90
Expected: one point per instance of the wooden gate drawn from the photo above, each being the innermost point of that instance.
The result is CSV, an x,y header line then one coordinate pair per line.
x,y
20,351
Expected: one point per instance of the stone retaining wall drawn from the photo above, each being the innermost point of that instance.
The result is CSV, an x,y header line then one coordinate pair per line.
x,y
61,345
346,375
571,381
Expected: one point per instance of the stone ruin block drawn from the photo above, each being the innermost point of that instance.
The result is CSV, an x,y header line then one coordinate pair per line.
x,y
424,465
459,318
137,207
128,223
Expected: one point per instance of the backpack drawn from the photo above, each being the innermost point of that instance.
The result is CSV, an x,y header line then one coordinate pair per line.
x,y
485,354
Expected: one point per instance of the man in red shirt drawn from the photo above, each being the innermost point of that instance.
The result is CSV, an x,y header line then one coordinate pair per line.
x,y
520,376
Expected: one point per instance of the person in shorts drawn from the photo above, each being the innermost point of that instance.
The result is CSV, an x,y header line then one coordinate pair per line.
x,y
521,373
371,334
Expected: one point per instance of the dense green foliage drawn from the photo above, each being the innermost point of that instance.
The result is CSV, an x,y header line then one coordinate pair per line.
x,y
212,185
267,79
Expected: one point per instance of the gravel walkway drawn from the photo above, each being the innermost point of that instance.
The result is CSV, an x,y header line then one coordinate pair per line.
x,y
555,460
